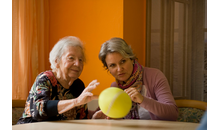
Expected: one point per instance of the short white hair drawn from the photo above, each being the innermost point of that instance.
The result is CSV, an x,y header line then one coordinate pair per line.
x,y
60,46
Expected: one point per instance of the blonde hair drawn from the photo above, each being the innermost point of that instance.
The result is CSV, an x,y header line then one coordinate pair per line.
x,y
115,45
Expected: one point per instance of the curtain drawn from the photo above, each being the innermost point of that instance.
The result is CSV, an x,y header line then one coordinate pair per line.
x,y
30,45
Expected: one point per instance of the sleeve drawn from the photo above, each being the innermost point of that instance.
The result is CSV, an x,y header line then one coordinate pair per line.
x,y
164,107
41,107
51,108
114,84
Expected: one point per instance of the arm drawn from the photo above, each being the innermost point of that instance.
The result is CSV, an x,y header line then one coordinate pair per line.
x,y
39,100
65,105
163,106
42,107
85,97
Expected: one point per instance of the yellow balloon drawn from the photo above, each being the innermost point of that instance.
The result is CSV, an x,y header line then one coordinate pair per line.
x,y
114,102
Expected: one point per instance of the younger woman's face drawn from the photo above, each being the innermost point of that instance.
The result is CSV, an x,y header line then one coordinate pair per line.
x,y
121,68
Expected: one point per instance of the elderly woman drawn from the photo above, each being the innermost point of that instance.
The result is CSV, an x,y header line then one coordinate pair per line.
x,y
147,87
59,94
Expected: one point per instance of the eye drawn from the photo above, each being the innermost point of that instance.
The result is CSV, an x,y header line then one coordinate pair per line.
x,y
123,61
112,65
81,59
70,58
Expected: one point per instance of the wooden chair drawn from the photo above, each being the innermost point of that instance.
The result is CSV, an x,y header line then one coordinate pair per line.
x,y
17,110
190,110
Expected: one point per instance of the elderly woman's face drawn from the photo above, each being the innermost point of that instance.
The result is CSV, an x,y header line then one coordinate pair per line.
x,y
120,67
71,64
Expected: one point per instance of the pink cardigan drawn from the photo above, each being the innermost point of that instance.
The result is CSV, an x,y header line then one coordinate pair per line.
x,y
159,100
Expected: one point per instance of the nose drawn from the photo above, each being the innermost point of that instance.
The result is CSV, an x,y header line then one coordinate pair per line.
x,y
76,63
119,68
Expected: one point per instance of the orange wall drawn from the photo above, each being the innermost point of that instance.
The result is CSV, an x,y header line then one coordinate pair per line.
x,y
94,22
134,27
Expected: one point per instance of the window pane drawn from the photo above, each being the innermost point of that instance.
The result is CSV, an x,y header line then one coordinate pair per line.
x,y
178,46
155,33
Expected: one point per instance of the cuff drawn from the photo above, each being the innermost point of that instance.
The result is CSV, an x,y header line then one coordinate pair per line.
x,y
144,102
51,108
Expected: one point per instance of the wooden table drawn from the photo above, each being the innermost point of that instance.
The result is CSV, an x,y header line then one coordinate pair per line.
x,y
103,124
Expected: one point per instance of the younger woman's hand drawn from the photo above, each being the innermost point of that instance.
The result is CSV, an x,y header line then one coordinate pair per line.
x,y
134,94
99,115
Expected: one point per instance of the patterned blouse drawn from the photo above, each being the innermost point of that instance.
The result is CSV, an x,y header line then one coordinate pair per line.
x,y
41,104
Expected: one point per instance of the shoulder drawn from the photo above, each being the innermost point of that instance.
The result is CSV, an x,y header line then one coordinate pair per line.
x,y
42,81
42,77
114,84
152,71
50,76
46,76
153,75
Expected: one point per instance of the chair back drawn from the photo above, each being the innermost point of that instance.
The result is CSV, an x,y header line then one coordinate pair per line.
x,y
17,110
190,110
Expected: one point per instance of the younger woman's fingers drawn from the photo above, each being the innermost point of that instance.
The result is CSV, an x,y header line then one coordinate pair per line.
x,y
129,90
134,94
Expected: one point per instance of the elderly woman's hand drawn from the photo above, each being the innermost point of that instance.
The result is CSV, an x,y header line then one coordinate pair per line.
x,y
86,96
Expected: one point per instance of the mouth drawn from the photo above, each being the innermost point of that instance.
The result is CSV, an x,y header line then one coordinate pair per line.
x,y
121,74
75,70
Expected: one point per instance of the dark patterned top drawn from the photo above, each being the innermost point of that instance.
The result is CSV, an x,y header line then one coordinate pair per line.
x,y
41,104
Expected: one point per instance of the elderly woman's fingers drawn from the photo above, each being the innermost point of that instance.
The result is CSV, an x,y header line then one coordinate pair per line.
x,y
92,86
86,96
91,83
